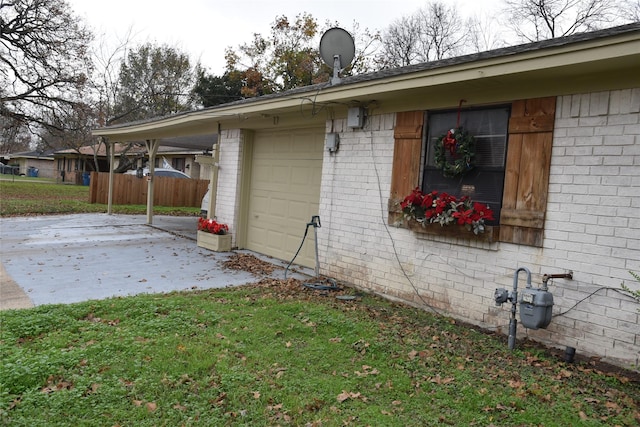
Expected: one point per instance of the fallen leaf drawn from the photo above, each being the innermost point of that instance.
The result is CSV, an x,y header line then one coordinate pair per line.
x,y
342,396
613,406
250,263
152,406
516,384
275,407
220,399
256,395
438,380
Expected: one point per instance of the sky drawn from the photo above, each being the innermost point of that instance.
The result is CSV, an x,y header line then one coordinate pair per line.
x,y
205,28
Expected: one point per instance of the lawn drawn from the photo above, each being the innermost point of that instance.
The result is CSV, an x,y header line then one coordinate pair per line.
x,y
279,353
28,196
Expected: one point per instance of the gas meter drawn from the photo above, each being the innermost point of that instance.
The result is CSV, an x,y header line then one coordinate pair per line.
x,y
535,308
535,304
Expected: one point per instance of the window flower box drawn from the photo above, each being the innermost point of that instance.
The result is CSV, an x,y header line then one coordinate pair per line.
x,y
441,214
490,235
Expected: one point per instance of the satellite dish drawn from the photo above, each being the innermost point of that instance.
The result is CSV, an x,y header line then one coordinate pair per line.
x,y
337,50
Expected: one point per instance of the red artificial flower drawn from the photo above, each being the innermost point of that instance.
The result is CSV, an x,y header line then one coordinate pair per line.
x,y
464,216
212,226
484,211
443,208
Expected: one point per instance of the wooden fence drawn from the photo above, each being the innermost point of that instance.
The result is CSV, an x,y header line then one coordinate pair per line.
x,y
131,190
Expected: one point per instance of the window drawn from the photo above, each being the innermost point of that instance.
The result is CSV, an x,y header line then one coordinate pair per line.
x,y
485,182
178,163
521,200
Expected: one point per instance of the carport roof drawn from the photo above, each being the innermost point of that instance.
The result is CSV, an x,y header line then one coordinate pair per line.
x,y
195,142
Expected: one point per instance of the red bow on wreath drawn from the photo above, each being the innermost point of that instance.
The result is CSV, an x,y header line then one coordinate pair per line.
x,y
450,142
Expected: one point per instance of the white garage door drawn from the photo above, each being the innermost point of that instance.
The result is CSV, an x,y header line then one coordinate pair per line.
x,y
285,192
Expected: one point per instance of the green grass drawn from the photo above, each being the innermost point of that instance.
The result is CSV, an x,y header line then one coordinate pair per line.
x,y
278,354
28,196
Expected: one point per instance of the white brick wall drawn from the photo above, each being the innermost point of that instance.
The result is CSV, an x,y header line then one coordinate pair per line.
x,y
229,179
592,228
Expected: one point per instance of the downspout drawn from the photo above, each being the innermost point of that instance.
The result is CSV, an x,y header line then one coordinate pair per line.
x,y
152,149
112,160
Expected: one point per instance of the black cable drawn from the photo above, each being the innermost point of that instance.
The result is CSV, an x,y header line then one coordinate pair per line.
x,y
386,226
620,291
306,230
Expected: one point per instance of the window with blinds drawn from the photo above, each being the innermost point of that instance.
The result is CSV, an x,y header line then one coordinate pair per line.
x,y
485,182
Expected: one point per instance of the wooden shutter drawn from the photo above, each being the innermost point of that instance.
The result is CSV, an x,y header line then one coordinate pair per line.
x,y
407,151
526,178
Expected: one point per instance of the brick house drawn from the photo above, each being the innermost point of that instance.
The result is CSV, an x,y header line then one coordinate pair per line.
x,y
31,163
557,129
72,163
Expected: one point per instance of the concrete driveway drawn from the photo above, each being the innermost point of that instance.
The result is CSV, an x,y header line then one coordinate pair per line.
x,y
72,258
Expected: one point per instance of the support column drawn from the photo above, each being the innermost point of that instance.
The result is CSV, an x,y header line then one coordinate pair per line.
x,y
112,160
213,181
152,149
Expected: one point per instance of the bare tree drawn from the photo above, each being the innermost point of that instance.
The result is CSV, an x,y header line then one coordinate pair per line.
x,y
635,11
14,136
535,20
400,43
43,60
432,33
444,31
107,58
485,33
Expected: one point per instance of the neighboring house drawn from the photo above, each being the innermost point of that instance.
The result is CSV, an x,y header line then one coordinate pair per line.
x,y
32,163
558,130
71,164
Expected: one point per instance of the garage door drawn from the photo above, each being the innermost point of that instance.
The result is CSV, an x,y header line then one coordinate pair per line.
x,y
284,193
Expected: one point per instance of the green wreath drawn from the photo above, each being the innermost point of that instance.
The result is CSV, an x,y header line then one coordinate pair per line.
x,y
462,149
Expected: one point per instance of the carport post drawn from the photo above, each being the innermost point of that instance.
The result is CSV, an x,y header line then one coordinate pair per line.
x,y
112,159
152,148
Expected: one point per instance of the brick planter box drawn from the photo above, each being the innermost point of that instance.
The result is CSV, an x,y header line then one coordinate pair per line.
x,y
214,242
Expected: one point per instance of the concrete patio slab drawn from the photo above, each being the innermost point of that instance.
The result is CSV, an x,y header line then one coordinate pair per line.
x,y
73,258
